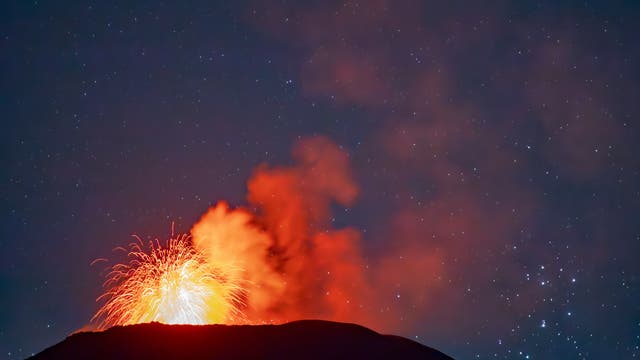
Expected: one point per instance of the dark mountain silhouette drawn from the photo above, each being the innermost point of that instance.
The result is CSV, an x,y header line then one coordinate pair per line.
x,y
306,339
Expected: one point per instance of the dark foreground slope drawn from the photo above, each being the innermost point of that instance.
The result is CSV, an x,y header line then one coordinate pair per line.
x,y
307,339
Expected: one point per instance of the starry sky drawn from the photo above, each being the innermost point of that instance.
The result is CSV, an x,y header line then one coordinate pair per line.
x,y
494,146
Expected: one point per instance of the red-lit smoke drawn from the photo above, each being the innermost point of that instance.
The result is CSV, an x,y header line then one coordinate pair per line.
x,y
294,263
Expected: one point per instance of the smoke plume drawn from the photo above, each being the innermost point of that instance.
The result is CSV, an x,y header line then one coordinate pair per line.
x,y
293,262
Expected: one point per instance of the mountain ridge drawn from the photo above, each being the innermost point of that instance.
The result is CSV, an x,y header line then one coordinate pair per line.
x,y
309,339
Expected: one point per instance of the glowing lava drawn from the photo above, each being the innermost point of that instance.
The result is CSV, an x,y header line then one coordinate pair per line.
x,y
172,284
275,260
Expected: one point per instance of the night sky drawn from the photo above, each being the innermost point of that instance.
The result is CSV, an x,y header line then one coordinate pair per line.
x,y
494,146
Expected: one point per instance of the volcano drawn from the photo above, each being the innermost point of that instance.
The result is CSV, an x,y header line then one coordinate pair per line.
x,y
305,339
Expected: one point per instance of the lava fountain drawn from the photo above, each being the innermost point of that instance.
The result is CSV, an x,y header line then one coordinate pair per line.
x,y
172,283
277,259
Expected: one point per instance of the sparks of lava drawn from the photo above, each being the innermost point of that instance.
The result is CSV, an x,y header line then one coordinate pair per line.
x,y
172,284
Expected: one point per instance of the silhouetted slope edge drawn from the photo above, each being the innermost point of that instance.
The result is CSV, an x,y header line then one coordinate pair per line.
x,y
306,339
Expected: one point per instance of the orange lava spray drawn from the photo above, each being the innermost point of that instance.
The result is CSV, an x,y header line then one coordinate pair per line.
x,y
277,259
172,284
